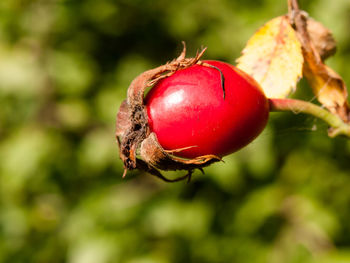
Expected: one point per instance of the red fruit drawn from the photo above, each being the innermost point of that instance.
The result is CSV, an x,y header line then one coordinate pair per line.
x,y
188,109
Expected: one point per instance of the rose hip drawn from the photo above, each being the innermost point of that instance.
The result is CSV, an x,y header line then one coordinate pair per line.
x,y
203,112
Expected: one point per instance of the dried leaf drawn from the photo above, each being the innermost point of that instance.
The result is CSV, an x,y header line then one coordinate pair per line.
x,y
322,38
273,57
326,84
328,87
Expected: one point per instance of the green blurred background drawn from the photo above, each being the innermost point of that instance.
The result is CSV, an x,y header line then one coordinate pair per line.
x,y
65,66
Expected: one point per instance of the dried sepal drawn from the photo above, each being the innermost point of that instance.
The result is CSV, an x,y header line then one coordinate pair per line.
x,y
133,133
153,153
123,121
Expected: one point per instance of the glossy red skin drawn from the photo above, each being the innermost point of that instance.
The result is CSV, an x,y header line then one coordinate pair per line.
x,y
188,109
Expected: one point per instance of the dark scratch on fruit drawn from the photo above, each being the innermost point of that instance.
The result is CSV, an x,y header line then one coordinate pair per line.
x,y
222,78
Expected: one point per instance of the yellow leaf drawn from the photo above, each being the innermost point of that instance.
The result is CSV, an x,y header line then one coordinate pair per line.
x,y
273,57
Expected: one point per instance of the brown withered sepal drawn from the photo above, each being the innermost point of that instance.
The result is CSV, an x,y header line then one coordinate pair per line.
x,y
138,146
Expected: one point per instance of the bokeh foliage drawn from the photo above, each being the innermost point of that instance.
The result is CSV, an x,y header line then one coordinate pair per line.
x,y
65,66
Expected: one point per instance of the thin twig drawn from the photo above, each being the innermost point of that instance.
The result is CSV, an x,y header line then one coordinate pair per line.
x,y
338,126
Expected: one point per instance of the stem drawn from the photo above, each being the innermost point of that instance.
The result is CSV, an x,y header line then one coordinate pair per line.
x,y
338,126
